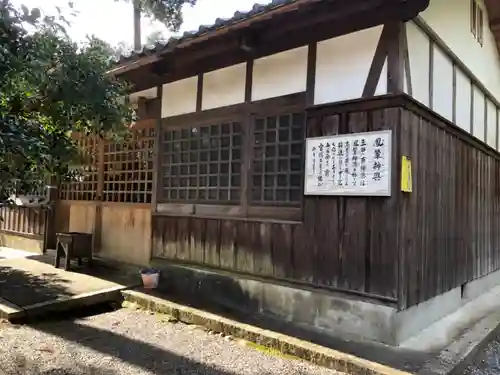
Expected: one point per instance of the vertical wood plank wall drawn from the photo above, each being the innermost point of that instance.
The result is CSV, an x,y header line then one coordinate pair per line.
x,y
341,243
450,223
407,248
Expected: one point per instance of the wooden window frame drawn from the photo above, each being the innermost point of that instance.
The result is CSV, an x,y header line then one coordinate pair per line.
x,y
477,21
245,114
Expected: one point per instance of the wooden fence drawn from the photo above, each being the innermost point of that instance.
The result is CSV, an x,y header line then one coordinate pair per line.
x,y
25,221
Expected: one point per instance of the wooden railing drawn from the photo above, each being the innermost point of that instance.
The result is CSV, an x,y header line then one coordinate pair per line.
x,y
27,221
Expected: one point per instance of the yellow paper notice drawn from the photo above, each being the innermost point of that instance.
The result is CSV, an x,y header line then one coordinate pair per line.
x,y
406,178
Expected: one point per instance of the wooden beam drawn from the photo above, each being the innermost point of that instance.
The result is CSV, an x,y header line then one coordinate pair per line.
x,y
185,67
145,60
395,58
97,228
378,62
311,73
156,193
199,93
325,20
246,165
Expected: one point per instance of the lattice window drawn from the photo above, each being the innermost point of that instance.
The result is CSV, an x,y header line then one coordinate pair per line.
x,y
84,184
278,159
202,164
128,168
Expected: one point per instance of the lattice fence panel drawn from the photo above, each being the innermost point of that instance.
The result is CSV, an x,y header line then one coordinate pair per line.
x,y
84,185
128,168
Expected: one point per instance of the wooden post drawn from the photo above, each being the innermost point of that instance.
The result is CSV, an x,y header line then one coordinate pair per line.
x,y
97,230
49,237
155,194
395,58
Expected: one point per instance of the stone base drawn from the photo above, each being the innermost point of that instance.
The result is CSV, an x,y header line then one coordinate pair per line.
x,y
334,314
19,242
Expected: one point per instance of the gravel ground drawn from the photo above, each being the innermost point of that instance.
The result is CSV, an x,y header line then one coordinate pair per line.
x,y
487,362
127,342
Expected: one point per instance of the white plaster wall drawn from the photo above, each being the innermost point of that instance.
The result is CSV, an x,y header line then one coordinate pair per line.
x,y
478,108
442,93
150,93
498,128
463,101
224,87
179,97
491,131
418,48
450,19
280,74
343,64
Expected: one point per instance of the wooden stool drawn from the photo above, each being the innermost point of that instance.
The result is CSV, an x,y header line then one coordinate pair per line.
x,y
73,245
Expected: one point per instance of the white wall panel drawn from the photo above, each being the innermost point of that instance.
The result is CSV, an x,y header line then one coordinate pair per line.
x,y
498,128
179,97
343,64
418,48
280,74
479,120
442,93
452,24
224,87
491,131
463,105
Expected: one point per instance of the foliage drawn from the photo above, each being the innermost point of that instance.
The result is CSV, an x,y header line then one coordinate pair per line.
x,y
154,37
51,87
169,12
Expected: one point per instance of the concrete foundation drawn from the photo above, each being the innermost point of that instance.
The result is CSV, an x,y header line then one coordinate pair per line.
x,y
429,326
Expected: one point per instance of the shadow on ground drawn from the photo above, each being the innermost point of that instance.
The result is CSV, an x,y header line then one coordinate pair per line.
x,y
20,365
149,358
23,288
36,284
98,269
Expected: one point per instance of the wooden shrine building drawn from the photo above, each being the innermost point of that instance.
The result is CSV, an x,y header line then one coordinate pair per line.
x,y
223,182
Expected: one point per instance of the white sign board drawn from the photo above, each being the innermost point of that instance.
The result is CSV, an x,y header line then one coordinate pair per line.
x,y
349,164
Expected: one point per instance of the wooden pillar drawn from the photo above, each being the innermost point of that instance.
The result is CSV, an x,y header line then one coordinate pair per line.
x,y
395,58
97,231
156,193
49,238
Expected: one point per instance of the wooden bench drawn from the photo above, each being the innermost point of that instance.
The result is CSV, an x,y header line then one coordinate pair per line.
x,y
71,245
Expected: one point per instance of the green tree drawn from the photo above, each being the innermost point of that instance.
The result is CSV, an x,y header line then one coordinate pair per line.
x,y
169,12
51,87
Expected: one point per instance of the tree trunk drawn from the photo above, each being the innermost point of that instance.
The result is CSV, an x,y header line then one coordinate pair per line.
x,y
137,26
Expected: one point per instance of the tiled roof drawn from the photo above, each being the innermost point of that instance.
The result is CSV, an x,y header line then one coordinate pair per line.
x,y
170,44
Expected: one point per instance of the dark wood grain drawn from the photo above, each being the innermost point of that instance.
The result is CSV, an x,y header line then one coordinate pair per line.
x,y
408,247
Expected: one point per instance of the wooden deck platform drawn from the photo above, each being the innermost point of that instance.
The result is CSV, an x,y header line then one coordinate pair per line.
x,y
31,286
